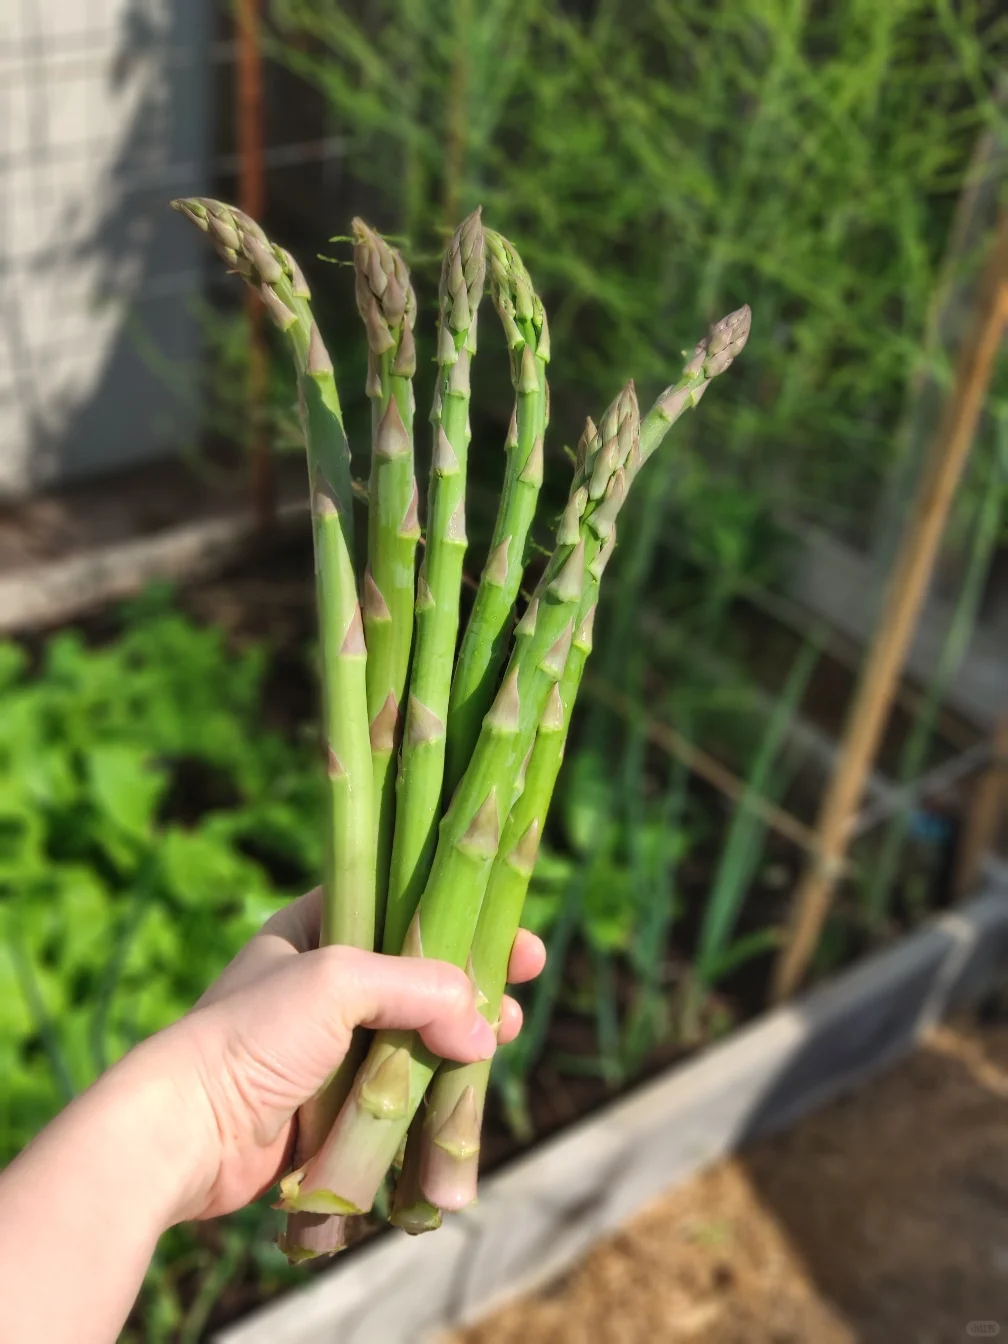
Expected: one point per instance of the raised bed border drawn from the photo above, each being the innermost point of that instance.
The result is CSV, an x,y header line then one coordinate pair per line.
x,y
543,1211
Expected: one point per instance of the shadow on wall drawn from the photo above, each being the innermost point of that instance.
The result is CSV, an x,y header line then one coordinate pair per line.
x,y
104,124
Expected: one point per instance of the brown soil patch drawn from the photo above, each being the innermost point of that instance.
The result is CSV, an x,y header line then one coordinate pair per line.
x,y
883,1219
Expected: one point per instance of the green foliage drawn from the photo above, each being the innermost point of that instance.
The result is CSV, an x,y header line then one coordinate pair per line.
x,y
141,806
661,162
216,385
743,845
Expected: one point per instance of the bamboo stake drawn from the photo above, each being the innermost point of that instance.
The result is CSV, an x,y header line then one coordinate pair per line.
x,y
987,806
904,595
252,199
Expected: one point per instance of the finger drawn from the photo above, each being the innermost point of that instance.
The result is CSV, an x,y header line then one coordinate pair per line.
x,y
299,923
431,997
528,957
511,1019
314,1001
293,929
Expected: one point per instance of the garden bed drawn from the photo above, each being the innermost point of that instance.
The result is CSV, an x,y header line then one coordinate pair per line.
x,y
903,1239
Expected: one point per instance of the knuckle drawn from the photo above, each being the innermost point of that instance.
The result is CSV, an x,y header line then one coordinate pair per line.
x,y
458,995
337,964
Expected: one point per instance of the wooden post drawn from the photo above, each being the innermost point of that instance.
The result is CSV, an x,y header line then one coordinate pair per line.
x,y
905,593
987,806
252,199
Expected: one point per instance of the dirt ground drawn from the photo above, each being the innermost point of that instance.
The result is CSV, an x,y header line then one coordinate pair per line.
x,y
883,1219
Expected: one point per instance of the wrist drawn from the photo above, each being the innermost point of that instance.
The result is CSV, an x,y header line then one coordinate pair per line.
x,y
167,1124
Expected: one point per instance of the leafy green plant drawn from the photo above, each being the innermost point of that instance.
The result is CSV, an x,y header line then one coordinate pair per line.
x,y
121,893
718,951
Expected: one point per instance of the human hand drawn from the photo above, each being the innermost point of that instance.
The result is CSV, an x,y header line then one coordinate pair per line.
x,y
271,1030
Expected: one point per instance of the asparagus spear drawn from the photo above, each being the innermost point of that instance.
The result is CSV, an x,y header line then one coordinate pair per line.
x,y
447,1153
387,304
421,767
348,901
410,1210
448,1142
345,1174
711,356
485,639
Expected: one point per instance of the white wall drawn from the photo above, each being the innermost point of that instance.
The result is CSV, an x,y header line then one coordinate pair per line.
x,y
104,115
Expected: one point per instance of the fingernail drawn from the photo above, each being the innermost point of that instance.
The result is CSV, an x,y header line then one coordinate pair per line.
x,y
483,1039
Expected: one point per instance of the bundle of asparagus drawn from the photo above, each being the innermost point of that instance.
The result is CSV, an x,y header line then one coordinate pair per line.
x,y
436,808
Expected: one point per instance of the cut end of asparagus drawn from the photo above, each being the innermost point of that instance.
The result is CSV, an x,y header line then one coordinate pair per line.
x,y
416,1218
308,1236
293,1199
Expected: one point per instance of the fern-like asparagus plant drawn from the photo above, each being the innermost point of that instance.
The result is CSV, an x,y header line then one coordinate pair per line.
x,y
441,766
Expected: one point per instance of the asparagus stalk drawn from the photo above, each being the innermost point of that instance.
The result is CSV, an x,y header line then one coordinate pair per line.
x,y
421,766
348,914
410,1210
484,643
345,1174
447,1147
448,1143
387,305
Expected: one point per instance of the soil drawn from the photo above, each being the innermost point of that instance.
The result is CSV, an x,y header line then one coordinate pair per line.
x,y
882,1218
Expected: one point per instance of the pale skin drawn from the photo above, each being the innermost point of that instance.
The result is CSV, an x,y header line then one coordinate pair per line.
x,y
200,1119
